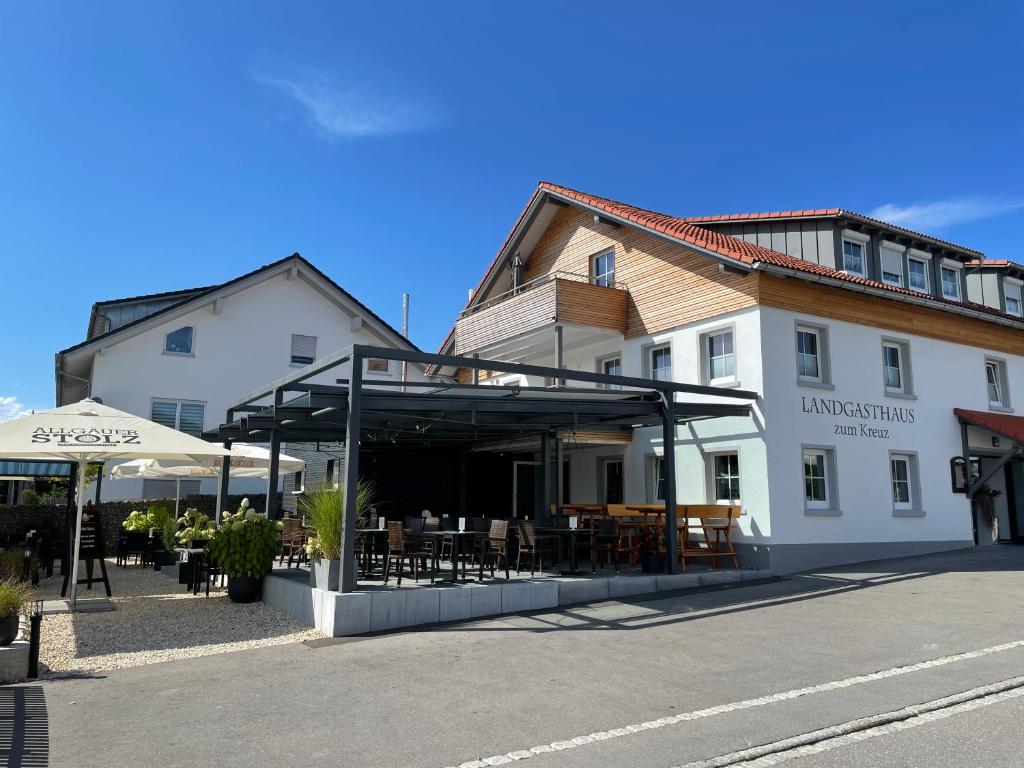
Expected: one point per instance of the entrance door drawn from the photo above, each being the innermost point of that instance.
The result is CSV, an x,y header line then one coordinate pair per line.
x,y
612,489
1015,499
526,489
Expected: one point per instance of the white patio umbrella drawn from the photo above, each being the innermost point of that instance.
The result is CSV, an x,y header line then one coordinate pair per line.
x,y
89,431
247,460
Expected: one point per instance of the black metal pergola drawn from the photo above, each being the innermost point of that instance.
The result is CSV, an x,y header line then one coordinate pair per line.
x,y
407,413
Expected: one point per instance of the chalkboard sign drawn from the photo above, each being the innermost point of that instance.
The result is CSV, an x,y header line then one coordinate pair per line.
x,y
91,549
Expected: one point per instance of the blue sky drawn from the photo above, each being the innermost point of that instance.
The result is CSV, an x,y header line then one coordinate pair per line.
x,y
153,146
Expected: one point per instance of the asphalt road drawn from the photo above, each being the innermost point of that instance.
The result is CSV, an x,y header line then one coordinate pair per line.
x,y
702,677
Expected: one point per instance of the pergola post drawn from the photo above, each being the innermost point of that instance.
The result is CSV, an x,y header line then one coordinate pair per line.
x,y
351,480
545,475
463,481
559,471
668,468
223,483
559,361
275,462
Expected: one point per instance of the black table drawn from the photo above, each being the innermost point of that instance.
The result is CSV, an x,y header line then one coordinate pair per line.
x,y
456,538
569,533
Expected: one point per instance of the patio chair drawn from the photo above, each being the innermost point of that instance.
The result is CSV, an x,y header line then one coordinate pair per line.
x,y
604,540
494,549
536,545
399,550
293,540
715,522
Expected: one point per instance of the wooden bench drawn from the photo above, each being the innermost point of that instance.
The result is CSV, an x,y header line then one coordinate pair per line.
x,y
715,522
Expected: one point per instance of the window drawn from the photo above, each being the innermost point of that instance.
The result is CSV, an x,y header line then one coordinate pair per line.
x,y
167,489
726,478
332,481
610,366
179,342
812,363
610,475
297,486
854,255
896,367
902,480
818,470
996,381
891,258
1011,293
918,263
379,365
655,479
602,269
303,349
660,363
950,282
719,357
183,416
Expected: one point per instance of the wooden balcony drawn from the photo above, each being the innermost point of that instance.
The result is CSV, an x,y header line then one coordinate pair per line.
x,y
553,299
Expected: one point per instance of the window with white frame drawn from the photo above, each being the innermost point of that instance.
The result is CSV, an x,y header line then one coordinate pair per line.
x,y
719,356
303,349
655,479
179,342
182,415
1012,296
610,365
818,481
891,259
659,362
902,473
896,367
725,478
918,267
997,382
950,275
812,363
602,269
379,365
855,253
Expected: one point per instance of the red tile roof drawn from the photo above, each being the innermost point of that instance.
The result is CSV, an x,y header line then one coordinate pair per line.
x,y
996,263
1006,425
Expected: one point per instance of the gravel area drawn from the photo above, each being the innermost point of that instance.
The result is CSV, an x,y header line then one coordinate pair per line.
x,y
155,620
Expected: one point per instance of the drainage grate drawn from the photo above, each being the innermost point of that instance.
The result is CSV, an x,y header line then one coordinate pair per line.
x,y
24,728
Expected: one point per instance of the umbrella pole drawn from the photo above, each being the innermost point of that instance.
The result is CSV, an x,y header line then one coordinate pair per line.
x,y
78,532
177,495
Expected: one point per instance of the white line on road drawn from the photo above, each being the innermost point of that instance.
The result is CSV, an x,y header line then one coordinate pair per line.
x,y
865,728
579,741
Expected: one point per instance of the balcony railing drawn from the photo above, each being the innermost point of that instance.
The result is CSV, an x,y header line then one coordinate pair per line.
x,y
559,297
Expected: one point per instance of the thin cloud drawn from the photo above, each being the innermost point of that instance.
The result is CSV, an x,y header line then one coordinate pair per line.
x,y
944,213
11,408
338,110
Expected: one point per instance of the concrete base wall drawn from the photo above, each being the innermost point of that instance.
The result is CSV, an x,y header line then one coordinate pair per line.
x,y
338,614
794,558
14,657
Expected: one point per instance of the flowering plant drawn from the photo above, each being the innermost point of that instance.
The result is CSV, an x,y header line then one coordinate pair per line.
x,y
192,526
246,543
650,540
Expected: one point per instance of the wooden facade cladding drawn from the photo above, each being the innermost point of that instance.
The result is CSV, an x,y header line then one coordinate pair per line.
x,y
891,314
558,300
668,284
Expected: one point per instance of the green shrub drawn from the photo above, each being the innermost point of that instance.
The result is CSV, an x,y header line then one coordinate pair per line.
x,y
12,563
14,594
324,508
194,525
246,543
138,521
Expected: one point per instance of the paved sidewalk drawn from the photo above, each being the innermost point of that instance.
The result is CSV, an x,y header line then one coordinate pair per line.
x,y
484,689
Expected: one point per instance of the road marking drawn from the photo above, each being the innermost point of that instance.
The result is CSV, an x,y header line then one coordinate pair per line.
x,y
855,731
579,741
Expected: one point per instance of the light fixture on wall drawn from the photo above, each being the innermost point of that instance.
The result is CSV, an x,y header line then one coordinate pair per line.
x,y
995,441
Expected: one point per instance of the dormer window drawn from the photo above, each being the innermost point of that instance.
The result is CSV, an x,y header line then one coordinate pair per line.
x,y
891,258
918,265
179,342
854,255
1012,295
950,274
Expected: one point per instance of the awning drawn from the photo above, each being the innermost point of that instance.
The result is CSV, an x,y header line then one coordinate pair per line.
x,y
1003,424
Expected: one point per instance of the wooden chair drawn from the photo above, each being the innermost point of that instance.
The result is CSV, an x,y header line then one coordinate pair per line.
x,y
293,540
494,549
399,550
715,522
535,545
605,540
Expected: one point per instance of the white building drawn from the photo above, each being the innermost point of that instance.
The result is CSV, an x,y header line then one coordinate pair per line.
x,y
857,335
180,358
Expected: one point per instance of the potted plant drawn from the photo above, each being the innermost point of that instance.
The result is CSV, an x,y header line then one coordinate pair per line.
x,y
652,559
325,510
985,508
244,548
14,594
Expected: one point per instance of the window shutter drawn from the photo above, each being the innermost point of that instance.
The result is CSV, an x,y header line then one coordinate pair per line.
x,y
192,415
164,413
892,266
303,348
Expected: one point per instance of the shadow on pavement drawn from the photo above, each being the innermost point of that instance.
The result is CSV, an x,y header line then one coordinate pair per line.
x,y
24,727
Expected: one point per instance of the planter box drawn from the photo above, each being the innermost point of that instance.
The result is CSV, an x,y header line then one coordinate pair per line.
x,y
325,574
653,563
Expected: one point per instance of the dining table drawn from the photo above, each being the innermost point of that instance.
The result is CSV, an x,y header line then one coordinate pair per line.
x,y
458,539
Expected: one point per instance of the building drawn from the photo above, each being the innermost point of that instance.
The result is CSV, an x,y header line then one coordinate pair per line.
x,y
860,337
996,283
180,358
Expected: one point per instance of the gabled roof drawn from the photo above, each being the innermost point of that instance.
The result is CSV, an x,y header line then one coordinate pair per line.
x,y
1007,264
183,292
718,245
821,213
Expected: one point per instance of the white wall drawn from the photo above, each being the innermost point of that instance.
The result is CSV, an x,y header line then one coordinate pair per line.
x,y
244,347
